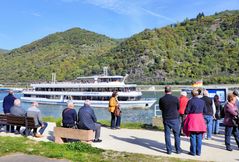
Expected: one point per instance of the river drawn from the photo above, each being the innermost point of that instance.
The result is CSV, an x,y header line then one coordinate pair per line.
x,y
128,115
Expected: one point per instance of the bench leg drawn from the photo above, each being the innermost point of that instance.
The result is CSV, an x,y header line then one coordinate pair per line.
x,y
58,140
1,125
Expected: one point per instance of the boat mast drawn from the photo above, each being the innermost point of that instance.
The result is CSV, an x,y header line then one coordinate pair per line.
x,y
125,77
53,77
105,71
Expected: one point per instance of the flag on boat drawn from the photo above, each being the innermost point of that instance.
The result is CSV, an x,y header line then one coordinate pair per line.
x,y
198,83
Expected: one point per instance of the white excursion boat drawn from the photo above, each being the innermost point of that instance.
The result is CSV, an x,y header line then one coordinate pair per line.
x,y
96,88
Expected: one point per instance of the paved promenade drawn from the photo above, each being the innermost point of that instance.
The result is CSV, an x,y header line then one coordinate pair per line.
x,y
152,143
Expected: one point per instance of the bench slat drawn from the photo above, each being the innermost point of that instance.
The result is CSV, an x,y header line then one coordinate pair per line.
x,y
3,119
21,121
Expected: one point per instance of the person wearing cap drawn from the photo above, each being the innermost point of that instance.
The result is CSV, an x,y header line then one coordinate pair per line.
x,y
183,100
34,112
87,120
169,105
8,102
194,125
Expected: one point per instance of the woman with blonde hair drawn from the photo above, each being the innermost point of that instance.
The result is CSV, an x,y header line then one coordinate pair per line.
x,y
114,109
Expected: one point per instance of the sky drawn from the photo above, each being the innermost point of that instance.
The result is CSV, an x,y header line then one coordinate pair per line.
x,y
25,21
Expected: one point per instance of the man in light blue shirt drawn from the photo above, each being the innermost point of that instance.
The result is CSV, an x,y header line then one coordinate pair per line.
x,y
34,112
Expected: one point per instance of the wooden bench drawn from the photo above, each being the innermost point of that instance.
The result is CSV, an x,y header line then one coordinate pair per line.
x,y
85,136
3,120
27,122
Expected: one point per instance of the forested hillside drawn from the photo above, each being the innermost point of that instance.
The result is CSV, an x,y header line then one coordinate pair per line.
x,y
206,47
69,54
203,48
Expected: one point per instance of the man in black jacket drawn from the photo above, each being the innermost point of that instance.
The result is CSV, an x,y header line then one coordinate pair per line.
x,y
209,115
169,105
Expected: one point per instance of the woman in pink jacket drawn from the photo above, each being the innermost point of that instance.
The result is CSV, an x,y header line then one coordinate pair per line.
x,y
194,125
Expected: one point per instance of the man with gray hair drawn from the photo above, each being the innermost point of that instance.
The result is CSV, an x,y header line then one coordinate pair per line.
x,y
34,112
87,120
17,110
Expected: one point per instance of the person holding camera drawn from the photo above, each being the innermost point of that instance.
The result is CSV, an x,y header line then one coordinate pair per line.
x,y
231,126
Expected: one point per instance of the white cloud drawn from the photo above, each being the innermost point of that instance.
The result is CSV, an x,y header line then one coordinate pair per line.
x,y
128,8
158,15
125,7
36,14
117,6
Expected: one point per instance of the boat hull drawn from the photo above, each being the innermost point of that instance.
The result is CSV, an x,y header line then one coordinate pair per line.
x,y
143,104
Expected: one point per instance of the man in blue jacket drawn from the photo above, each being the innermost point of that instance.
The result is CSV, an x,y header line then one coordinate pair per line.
x,y
87,120
8,102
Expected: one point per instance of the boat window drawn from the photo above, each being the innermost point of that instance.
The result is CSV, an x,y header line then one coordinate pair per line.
x,y
55,97
122,98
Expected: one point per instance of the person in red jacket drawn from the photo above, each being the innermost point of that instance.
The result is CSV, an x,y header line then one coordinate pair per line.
x,y
183,100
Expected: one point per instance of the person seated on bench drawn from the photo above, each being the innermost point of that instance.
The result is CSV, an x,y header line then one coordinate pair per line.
x,y
69,116
34,112
17,110
87,120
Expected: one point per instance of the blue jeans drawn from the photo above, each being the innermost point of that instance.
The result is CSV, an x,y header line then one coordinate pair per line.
x,y
173,124
215,126
195,143
41,130
118,121
208,120
228,132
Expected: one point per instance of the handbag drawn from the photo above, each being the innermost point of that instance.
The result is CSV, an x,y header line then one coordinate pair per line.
x,y
235,120
117,111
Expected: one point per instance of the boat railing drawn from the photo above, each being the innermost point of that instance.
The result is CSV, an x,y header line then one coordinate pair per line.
x,y
156,110
93,82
